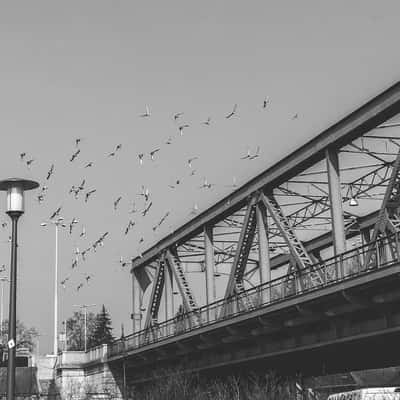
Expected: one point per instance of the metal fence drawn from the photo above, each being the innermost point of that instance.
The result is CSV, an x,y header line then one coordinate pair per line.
x,y
358,261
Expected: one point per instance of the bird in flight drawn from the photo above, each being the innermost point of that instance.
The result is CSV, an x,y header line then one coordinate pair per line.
x,y
51,170
178,181
208,122
89,164
152,153
83,233
55,213
4,224
146,210
182,127
248,155
29,162
88,277
22,156
191,160
74,263
233,112
40,198
83,254
116,202
88,194
71,225
77,141
169,141
206,184
75,155
82,185
266,102
130,225
140,156
80,286
146,114
177,115
145,193
256,154
295,116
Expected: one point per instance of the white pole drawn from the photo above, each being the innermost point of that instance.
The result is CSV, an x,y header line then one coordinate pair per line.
x,y
55,347
85,307
1,311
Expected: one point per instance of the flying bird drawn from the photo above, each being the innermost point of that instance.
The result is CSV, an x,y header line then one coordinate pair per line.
x,y
88,194
266,102
88,277
40,198
83,233
206,184
140,156
233,112
83,254
74,263
248,155
176,184
191,160
145,193
77,141
295,116
80,286
177,115
89,164
75,155
4,224
182,127
55,213
146,114
82,185
152,153
207,122
169,140
71,224
130,225
146,210
22,156
51,170
29,162
116,202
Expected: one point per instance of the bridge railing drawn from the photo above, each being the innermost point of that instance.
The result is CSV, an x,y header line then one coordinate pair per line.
x,y
381,253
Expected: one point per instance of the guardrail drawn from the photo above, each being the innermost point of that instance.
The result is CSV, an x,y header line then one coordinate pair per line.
x,y
382,253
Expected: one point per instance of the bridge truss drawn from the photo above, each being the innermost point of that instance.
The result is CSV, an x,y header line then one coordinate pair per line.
x,y
338,193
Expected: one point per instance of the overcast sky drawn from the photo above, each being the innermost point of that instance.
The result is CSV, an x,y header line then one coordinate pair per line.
x,y
88,69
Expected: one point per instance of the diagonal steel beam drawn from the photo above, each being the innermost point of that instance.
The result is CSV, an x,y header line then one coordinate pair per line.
x,y
156,293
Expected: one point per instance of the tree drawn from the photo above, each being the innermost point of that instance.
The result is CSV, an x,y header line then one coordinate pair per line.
x,y
103,331
76,331
25,336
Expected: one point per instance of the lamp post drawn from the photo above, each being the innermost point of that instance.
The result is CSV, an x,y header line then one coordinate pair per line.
x,y
15,188
57,223
2,280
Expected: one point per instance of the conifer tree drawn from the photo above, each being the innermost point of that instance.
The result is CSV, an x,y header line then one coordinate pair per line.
x,y
103,331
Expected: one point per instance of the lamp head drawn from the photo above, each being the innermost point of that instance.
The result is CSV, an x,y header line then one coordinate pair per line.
x,y
15,188
353,202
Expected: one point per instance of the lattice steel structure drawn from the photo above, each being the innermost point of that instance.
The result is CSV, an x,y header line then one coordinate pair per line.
x,y
338,192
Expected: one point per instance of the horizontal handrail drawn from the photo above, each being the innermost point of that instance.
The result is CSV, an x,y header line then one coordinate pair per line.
x,y
344,266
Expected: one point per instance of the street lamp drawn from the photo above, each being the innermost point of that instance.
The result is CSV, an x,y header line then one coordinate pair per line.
x,y
57,223
15,188
2,280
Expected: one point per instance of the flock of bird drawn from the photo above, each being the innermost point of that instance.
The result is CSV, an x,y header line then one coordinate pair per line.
x,y
82,190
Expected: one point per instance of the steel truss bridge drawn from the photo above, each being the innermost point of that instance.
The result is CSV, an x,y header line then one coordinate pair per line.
x,y
306,253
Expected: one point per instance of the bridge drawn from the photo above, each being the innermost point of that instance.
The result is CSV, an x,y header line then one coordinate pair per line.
x,y
297,270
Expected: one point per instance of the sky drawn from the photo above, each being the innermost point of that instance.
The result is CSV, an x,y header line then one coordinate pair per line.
x,y
88,69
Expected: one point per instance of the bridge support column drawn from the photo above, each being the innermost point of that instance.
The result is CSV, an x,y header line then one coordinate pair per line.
x,y
209,263
335,197
263,254
137,295
168,295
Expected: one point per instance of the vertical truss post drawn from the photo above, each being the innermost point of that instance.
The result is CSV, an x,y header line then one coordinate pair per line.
x,y
335,197
209,262
136,304
168,295
263,252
